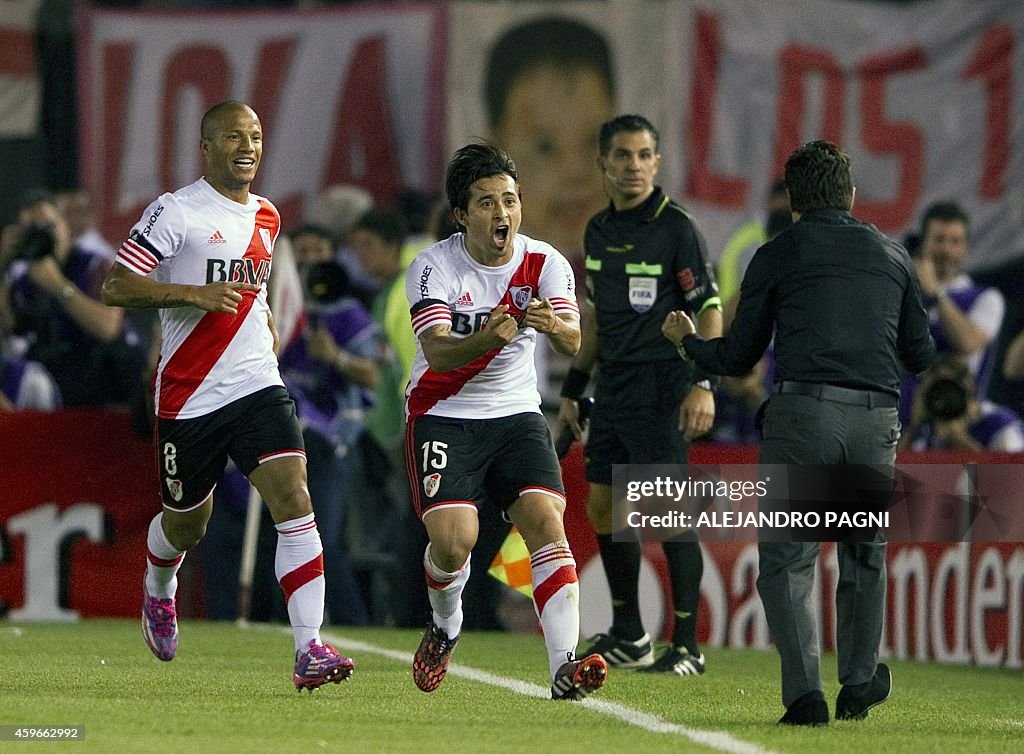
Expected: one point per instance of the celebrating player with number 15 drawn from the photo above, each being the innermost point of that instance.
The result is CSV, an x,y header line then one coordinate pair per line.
x,y
475,434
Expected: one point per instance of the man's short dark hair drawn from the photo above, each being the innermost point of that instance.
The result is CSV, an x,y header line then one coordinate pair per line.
x,y
552,41
947,211
310,229
469,165
818,176
214,114
625,124
389,226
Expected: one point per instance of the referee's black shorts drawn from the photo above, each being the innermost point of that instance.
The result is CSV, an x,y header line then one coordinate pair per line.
x,y
635,417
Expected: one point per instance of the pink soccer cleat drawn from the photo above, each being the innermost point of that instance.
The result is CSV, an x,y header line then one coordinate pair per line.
x,y
160,626
320,664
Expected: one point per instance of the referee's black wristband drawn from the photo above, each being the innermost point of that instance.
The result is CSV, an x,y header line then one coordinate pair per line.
x,y
576,382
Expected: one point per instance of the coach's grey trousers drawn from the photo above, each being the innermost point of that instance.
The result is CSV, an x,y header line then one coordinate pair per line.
x,y
802,429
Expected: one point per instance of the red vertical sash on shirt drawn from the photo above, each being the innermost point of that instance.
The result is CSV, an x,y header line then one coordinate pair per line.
x,y
202,348
433,387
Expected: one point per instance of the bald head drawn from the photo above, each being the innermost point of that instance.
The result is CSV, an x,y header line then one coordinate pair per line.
x,y
213,117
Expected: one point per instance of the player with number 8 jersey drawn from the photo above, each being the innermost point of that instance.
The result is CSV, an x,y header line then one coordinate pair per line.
x,y
201,256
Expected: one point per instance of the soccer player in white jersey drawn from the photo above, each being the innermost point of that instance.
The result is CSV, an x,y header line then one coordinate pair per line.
x,y
202,255
475,435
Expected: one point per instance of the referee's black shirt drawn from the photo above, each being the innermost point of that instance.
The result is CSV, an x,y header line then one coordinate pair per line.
x,y
844,301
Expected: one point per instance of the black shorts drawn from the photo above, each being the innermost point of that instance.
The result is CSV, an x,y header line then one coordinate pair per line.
x,y
463,462
192,453
635,418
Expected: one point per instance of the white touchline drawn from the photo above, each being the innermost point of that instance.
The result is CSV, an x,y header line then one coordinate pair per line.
x,y
712,738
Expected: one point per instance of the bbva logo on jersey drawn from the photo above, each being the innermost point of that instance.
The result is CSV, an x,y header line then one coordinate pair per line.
x,y
237,270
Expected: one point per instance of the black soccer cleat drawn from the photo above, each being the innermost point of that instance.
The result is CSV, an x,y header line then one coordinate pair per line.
x,y
576,679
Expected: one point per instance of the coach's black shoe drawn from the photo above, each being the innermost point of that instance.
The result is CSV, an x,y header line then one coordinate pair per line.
x,y
854,701
810,709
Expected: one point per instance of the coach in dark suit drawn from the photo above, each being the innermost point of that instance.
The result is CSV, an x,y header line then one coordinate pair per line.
x,y
846,309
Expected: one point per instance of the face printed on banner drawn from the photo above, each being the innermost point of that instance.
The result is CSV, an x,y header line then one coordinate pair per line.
x,y
550,126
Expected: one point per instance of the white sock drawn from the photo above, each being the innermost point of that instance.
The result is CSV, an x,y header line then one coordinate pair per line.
x,y
164,560
556,598
445,592
299,565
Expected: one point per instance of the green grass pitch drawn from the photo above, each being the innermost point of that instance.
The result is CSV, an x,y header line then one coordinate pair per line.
x,y
230,690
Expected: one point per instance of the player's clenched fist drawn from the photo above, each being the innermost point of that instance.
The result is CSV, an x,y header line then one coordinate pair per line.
x,y
222,297
501,325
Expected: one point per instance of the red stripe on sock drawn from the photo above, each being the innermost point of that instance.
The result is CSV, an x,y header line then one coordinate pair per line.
x,y
435,584
294,580
161,563
547,588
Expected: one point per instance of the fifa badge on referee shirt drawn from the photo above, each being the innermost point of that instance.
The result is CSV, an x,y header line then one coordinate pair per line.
x,y
642,293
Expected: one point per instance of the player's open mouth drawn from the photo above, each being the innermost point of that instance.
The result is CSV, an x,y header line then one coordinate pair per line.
x,y
245,162
501,236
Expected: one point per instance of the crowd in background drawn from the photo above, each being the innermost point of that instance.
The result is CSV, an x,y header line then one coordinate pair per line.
x,y
346,358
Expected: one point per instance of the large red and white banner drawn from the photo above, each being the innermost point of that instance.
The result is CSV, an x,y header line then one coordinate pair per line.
x,y
928,98
345,96
19,77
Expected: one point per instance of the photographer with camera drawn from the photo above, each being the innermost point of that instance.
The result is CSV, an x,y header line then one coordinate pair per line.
x,y
50,299
947,415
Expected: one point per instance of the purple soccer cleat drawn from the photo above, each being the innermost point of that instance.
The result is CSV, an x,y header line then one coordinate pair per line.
x,y
160,626
320,664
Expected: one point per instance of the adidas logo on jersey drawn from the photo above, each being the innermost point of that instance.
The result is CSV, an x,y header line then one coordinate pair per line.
x,y
217,238
464,300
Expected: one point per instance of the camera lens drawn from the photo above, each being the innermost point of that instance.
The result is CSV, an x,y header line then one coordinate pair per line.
x,y
946,400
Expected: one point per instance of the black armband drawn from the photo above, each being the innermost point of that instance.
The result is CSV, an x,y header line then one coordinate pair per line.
x,y
576,382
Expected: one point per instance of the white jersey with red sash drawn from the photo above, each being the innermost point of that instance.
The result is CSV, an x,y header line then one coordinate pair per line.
x,y
445,285
197,236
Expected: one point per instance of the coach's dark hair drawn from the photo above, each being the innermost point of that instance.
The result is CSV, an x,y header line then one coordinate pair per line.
x,y
945,211
552,41
625,124
388,225
818,176
469,165
215,112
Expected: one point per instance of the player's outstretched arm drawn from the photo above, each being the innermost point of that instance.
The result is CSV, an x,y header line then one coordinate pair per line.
x,y
123,287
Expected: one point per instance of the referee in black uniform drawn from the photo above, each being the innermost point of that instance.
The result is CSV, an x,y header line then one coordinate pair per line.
x,y
846,308
644,259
